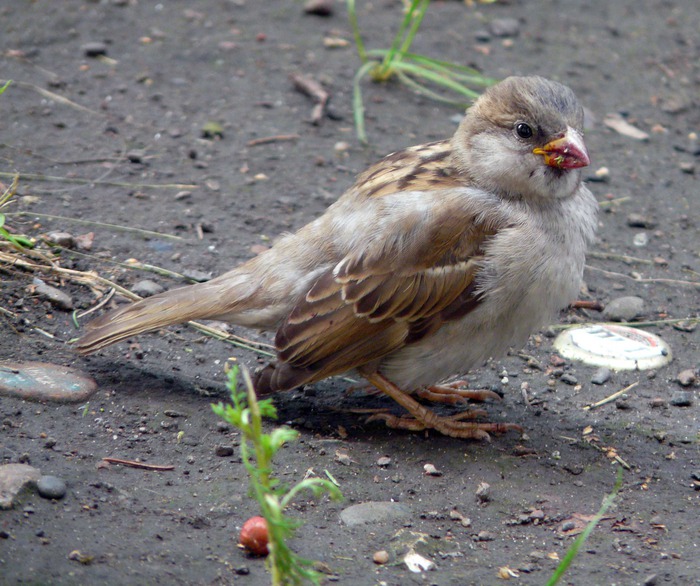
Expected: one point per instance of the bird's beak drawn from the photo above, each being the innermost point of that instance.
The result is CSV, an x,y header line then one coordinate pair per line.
x,y
567,151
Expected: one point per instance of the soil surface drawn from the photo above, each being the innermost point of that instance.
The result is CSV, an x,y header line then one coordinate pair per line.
x,y
117,124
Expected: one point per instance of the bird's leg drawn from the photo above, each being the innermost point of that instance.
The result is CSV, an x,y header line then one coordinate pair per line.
x,y
454,392
423,418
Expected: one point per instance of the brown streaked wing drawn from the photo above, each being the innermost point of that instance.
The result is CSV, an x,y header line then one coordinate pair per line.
x,y
424,167
320,343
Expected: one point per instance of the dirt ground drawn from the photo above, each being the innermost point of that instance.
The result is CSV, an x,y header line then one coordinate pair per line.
x,y
171,68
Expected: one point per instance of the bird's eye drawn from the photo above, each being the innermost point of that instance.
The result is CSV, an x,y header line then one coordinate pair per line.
x,y
524,130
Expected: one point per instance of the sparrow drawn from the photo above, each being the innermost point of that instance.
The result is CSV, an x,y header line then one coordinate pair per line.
x,y
439,257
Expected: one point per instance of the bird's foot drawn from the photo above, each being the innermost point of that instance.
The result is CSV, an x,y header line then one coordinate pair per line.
x,y
452,426
420,417
455,392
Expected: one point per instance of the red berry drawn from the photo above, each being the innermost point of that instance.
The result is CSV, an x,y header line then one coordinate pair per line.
x,y
254,536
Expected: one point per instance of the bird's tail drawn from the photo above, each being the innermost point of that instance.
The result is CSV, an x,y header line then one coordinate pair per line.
x,y
217,299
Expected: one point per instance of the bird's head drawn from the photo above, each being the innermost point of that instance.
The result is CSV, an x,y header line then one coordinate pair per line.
x,y
523,138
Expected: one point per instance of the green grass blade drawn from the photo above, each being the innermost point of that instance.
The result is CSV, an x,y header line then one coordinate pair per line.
x,y
359,43
427,92
436,78
576,546
461,72
358,107
415,24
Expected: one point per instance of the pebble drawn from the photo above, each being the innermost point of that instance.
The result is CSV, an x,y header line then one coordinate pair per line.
x,y
483,492
223,451
319,7
640,240
687,167
651,580
94,49
431,470
657,402
373,512
635,220
196,275
682,399
485,536
384,461
686,377
56,297
146,288
601,376
483,36
380,557
624,309
13,479
40,381
568,379
63,239
51,487
504,27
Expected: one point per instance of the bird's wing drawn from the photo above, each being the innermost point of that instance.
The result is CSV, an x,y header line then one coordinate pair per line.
x,y
424,167
394,289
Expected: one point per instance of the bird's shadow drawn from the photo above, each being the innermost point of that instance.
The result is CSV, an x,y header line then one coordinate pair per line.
x,y
323,407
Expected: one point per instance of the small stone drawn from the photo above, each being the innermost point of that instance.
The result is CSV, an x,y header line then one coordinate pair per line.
x,y
483,492
602,174
51,487
640,240
687,167
212,130
56,297
50,443
223,451
146,288
380,557
485,536
568,526
63,239
651,580
384,461
686,377
135,156
635,220
568,379
504,27
319,7
601,376
624,309
657,402
682,399
13,479
196,275
94,49
373,512
431,470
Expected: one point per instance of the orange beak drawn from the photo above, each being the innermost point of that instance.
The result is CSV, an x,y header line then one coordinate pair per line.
x,y
567,151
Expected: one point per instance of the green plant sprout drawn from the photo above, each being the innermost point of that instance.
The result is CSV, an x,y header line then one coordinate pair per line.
x,y
572,552
246,414
410,69
15,239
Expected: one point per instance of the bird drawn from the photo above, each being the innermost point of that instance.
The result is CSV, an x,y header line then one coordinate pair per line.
x,y
439,257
